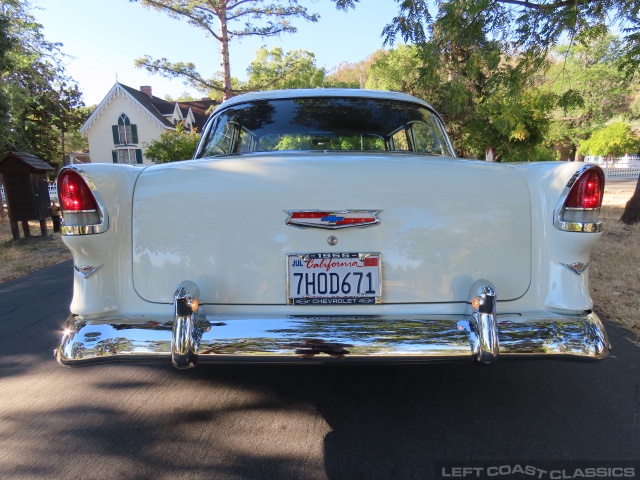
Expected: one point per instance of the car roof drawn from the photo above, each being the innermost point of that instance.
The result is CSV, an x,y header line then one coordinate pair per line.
x,y
321,92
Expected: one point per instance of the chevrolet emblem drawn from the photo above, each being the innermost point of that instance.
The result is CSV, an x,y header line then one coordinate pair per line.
x,y
332,219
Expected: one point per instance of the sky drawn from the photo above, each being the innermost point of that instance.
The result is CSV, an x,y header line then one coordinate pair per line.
x,y
102,38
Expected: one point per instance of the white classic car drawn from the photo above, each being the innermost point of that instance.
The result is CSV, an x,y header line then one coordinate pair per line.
x,y
330,226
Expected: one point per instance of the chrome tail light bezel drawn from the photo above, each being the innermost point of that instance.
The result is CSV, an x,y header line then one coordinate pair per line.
x,y
72,223
571,219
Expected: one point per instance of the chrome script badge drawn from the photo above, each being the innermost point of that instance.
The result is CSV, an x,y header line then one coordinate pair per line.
x,y
332,219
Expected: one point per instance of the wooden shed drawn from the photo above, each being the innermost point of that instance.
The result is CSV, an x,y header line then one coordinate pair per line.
x,y
25,185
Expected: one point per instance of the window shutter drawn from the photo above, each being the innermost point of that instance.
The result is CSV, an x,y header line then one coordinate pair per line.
x,y
116,135
134,134
114,156
138,156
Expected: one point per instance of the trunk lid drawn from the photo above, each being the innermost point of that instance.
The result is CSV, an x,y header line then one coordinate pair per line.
x,y
444,223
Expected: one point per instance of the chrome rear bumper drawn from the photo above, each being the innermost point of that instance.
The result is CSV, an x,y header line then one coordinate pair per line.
x,y
480,336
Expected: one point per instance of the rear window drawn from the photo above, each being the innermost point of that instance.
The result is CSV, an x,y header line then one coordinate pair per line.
x,y
328,124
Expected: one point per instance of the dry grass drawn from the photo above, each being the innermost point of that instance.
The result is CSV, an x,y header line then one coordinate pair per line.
x,y
615,266
19,257
614,270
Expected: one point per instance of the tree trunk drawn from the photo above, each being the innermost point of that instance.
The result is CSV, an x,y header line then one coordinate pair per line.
x,y
224,53
631,214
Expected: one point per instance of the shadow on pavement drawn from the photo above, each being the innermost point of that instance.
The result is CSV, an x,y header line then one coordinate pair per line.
x,y
299,422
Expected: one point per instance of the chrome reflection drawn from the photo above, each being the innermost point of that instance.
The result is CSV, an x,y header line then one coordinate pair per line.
x,y
406,338
480,322
87,270
578,267
186,333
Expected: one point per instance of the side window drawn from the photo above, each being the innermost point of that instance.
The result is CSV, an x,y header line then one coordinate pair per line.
x,y
425,139
246,141
371,141
399,140
221,140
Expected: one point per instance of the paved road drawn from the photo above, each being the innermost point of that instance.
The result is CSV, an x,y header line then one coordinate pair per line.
x,y
621,184
309,422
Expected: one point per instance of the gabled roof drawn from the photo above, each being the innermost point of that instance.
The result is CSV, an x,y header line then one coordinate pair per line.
x,y
200,110
156,108
155,105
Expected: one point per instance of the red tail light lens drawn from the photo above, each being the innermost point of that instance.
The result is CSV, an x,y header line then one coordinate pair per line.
x,y
82,210
578,209
587,191
74,194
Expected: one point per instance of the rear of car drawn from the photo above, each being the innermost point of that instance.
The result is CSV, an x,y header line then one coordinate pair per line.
x,y
326,225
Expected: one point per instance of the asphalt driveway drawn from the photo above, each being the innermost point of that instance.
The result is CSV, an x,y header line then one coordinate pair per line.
x,y
298,422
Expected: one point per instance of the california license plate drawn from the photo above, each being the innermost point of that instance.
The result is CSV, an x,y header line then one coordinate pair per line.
x,y
333,279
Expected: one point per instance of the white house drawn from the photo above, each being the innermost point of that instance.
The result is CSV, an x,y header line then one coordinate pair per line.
x,y
127,120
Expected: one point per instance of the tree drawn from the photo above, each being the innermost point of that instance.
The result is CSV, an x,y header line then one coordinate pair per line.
x,y
6,43
37,99
173,146
591,86
273,69
530,26
475,91
218,18
397,69
74,141
352,75
616,139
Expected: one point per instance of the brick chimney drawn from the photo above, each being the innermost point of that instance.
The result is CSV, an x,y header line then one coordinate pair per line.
x,y
146,89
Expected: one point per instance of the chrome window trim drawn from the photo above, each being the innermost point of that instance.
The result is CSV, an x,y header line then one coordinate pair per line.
x,y
102,226
565,226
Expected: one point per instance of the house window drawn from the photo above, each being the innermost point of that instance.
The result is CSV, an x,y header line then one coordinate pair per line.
x,y
127,155
131,156
124,129
125,133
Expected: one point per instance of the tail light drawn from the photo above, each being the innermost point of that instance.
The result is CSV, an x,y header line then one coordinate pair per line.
x,y
81,212
579,206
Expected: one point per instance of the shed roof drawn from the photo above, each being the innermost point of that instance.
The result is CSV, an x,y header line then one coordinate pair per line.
x,y
30,161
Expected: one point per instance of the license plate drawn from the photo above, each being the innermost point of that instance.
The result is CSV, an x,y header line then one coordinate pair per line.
x,y
333,279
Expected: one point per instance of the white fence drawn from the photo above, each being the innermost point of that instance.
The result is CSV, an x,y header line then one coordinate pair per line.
x,y
53,192
618,167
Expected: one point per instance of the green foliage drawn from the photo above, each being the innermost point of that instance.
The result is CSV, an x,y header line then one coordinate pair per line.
x,y
590,86
322,142
616,139
482,99
38,102
530,27
397,70
173,146
74,141
635,107
274,69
